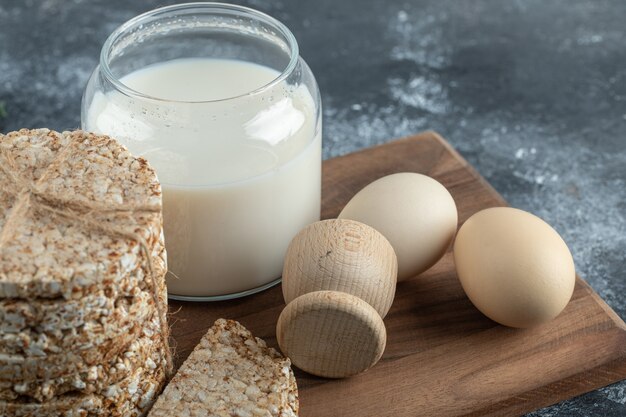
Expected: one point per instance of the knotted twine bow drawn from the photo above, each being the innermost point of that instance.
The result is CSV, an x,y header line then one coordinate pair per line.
x,y
29,195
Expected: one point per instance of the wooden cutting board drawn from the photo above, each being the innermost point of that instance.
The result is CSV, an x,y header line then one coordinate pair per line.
x,y
443,357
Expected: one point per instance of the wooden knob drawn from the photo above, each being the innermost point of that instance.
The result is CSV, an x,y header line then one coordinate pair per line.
x,y
341,255
331,334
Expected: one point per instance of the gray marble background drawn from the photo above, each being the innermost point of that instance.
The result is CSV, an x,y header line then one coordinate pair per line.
x,y
532,93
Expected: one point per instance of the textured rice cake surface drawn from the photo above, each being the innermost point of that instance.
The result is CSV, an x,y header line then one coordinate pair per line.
x,y
44,327
82,266
17,368
130,397
121,318
46,254
230,373
48,315
146,351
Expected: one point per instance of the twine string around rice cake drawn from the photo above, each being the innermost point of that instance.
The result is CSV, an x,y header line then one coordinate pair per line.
x,y
28,195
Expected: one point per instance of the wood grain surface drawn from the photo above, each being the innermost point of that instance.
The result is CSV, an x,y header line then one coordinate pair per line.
x,y
341,255
331,333
443,357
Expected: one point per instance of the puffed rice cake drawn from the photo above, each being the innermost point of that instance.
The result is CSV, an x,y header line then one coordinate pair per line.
x,y
16,368
130,397
230,373
46,255
49,315
146,350
121,318
81,330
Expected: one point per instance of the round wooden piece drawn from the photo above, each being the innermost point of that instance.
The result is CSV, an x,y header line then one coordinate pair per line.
x,y
341,255
331,334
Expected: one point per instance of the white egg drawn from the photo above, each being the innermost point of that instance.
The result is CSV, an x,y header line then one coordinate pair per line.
x,y
514,267
414,212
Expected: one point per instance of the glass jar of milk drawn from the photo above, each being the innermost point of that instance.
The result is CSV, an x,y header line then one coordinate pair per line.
x,y
217,99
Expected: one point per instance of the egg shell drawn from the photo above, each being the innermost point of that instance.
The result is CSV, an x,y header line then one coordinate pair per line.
x,y
341,255
414,212
514,267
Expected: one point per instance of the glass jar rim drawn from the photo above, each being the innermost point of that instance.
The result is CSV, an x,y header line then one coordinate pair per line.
x,y
207,6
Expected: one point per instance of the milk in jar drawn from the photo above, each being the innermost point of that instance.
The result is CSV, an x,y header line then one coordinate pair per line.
x,y
238,156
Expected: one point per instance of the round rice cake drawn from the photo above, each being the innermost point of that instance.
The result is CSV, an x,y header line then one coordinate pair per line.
x,y
108,318
20,369
59,314
60,191
145,352
131,397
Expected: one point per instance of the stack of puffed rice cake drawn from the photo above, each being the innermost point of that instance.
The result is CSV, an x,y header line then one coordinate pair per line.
x,y
82,266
